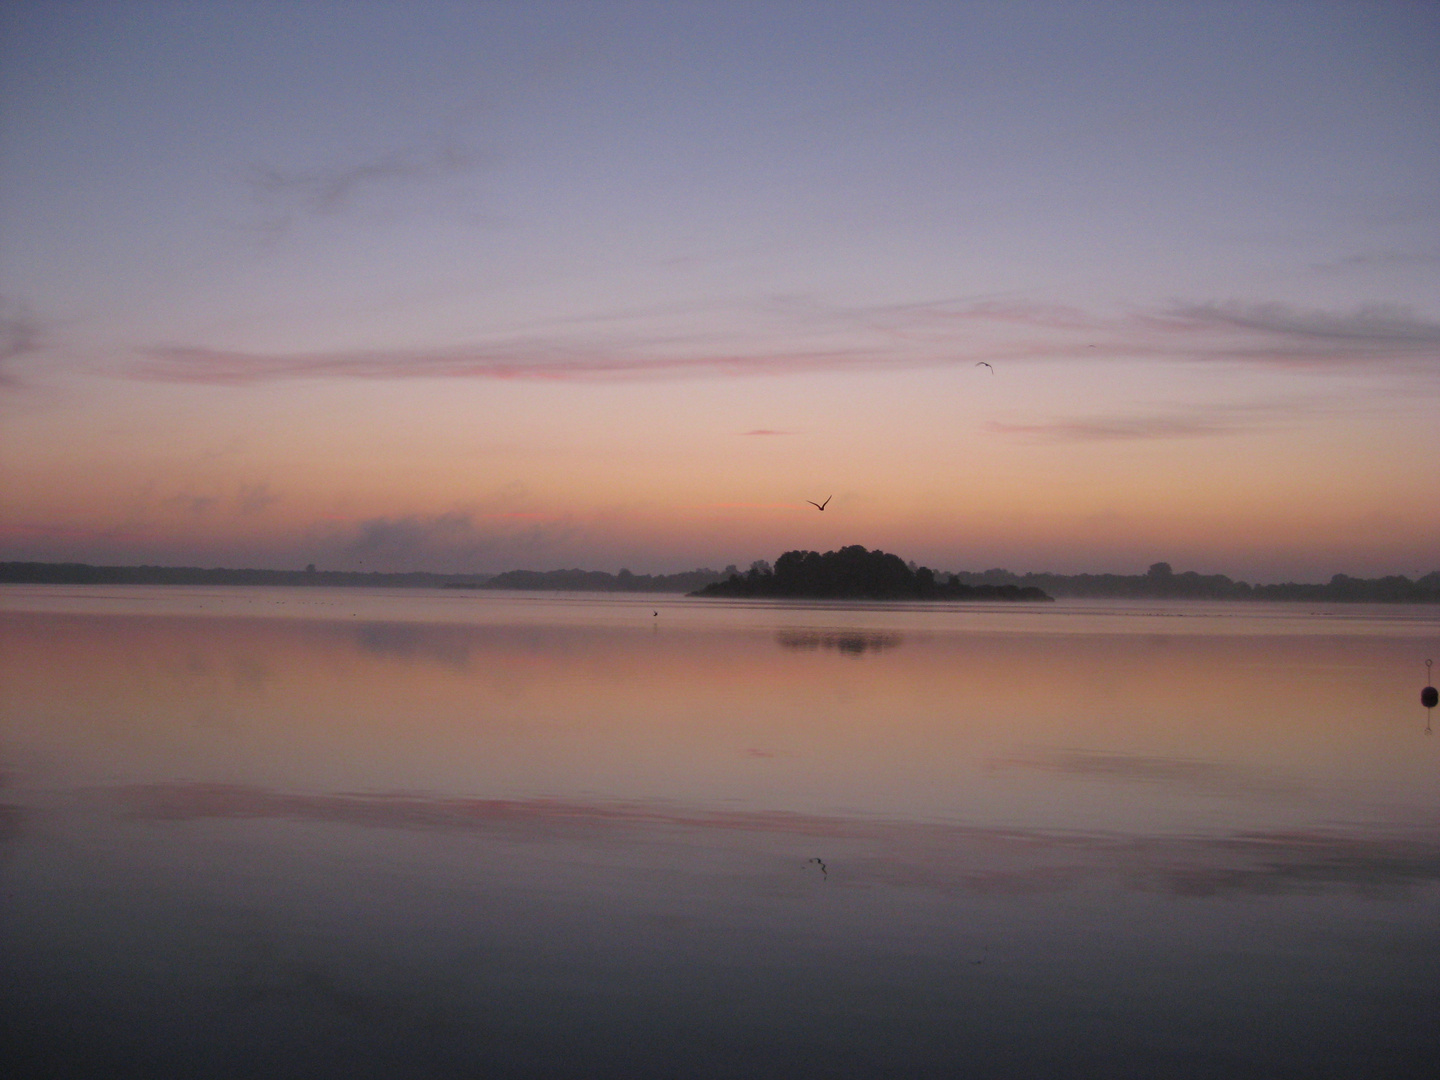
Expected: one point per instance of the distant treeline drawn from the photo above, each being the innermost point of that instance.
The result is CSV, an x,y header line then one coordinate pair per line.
x,y
1163,583
599,581
1160,582
852,573
36,573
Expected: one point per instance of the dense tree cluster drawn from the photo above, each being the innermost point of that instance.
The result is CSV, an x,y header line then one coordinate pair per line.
x,y
853,573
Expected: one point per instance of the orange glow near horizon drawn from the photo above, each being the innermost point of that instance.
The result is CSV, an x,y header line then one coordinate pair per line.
x,y
661,478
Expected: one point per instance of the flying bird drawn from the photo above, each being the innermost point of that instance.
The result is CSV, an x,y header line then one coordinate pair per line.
x,y
821,506
982,363
824,873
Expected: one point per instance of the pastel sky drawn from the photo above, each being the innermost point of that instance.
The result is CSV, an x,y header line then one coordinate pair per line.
x,y
479,286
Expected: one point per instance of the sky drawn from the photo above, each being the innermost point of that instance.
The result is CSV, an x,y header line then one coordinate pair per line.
x,y
484,286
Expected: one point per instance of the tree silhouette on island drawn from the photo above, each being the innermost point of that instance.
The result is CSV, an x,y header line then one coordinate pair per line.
x,y
852,573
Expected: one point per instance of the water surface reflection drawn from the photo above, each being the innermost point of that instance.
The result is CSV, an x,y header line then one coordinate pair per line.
x,y
555,838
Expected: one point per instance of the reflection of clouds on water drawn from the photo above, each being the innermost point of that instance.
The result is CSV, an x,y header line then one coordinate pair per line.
x,y
407,641
263,977
11,815
251,674
1268,863
1194,774
916,854
12,822
460,648
11,818
850,642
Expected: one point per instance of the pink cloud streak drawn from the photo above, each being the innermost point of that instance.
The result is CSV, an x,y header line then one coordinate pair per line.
x,y
814,337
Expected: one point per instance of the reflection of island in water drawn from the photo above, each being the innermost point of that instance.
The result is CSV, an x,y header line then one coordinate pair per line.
x,y
852,573
853,642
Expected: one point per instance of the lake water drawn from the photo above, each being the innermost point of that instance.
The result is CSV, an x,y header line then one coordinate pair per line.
x,y
350,833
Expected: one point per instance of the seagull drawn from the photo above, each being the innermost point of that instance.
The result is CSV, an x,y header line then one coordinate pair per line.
x,y
820,506
982,363
824,874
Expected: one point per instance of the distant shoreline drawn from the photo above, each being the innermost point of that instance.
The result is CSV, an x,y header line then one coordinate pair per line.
x,y
1159,584
37,573
41,573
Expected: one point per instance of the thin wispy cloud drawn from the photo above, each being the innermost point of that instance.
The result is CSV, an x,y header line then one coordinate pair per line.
x,y
255,498
1233,330
1192,423
326,190
281,198
19,335
799,336
191,504
1114,429
541,361
1373,332
788,507
1380,260
766,431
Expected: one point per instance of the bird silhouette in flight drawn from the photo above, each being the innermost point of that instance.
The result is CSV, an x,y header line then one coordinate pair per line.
x,y
824,873
821,506
982,363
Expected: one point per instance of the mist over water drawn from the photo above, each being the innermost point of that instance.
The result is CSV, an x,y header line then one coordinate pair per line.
x,y
349,833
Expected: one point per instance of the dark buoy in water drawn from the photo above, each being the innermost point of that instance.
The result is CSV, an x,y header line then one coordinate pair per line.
x,y
1428,696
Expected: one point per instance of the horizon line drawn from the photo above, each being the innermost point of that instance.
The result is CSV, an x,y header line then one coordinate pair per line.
x,y
471,574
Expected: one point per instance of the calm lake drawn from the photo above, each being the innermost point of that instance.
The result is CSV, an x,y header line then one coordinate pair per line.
x,y
394,833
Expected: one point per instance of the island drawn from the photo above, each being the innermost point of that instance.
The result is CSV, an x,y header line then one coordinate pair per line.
x,y
853,573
